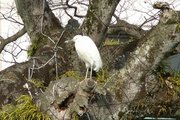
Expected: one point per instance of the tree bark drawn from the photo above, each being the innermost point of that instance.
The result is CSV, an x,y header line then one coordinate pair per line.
x,y
98,19
123,30
134,77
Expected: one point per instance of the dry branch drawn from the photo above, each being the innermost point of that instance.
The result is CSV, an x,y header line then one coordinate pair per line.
x,y
4,42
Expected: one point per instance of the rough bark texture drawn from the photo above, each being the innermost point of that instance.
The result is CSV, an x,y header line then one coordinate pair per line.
x,y
124,31
67,99
98,18
145,59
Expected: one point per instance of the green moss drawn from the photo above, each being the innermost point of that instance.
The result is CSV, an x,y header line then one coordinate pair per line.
x,y
73,74
75,116
102,76
175,80
172,78
38,40
90,20
92,17
24,109
37,83
178,28
32,49
111,42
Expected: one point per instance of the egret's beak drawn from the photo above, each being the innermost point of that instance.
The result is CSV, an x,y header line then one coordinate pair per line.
x,y
67,41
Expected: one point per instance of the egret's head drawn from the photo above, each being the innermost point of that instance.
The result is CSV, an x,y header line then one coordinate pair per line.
x,y
74,39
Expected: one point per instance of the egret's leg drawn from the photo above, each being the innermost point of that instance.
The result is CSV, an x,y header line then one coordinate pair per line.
x,y
91,73
87,72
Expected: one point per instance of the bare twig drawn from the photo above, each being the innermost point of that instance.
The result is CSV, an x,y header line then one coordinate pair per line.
x,y
10,18
68,13
75,10
30,71
4,42
42,19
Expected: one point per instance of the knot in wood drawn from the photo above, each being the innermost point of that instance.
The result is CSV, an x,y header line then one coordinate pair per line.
x,y
88,85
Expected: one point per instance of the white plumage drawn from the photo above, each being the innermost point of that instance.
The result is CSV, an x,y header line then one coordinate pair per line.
x,y
88,52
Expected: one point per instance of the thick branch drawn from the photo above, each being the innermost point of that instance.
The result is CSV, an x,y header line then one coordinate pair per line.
x,y
98,19
145,59
8,40
122,28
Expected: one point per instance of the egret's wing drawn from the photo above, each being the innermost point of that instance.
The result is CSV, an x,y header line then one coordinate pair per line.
x,y
88,52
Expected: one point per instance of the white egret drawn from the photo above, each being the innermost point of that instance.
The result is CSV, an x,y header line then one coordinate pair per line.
x,y
88,52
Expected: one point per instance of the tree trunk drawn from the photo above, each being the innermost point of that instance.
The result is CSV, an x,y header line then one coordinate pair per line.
x,y
135,77
98,19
